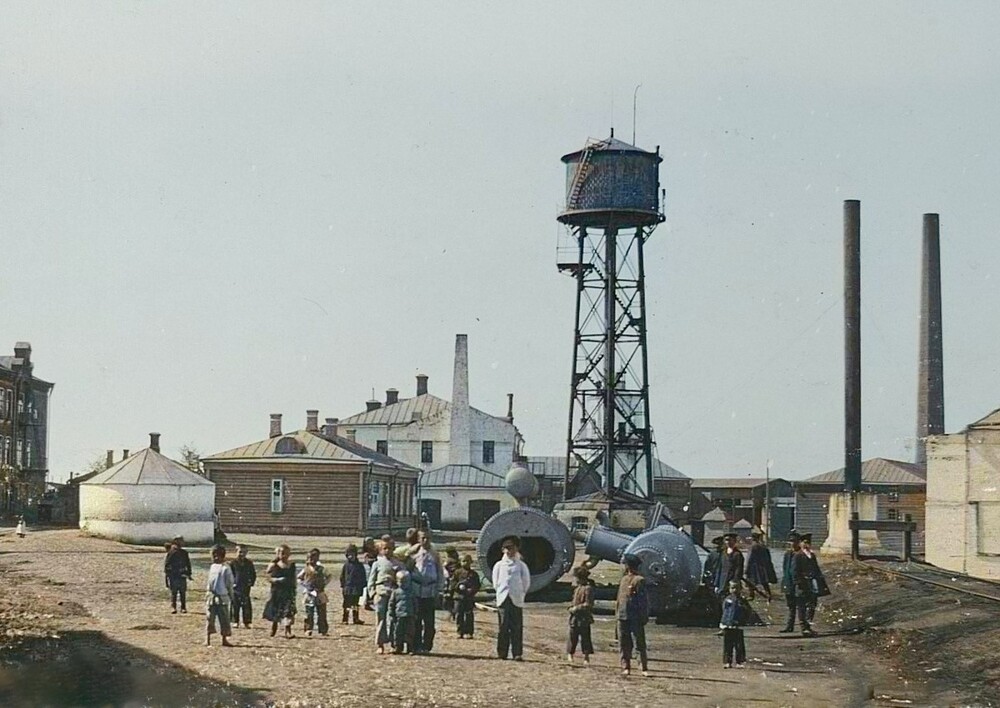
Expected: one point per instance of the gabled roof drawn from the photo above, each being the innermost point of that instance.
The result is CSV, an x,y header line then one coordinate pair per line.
x,y
312,447
715,514
554,467
149,467
618,500
877,470
461,476
402,413
730,482
988,422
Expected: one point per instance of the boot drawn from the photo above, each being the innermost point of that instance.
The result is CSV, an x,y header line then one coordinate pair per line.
x,y
343,619
355,619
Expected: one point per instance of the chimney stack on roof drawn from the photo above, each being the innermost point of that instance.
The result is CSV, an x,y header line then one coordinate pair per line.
x,y
461,438
510,407
110,460
421,384
331,426
372,405
125,454
312,421
154,442
391,396
275,425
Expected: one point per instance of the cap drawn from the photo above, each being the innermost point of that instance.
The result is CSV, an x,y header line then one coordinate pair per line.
x,y
631,560
717,540
807,537
793,535
581,571
731,534
510,542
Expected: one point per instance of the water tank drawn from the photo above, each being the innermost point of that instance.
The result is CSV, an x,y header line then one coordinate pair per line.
x,y
612,184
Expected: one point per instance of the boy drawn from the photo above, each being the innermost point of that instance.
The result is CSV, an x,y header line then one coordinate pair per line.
x,y
244,578
734,616
511,580
218,597
313,580
632,612
465,585
381,581
402,608
177,568
581,615
352,584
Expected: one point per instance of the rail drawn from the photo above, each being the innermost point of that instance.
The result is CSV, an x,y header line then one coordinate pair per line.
x,y
964,584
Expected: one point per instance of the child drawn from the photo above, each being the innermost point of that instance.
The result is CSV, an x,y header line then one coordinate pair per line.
x,y
402,611
734,615
581,615
20,531
218,597
451,566
244,577
369,553
632,612
465,585
352,584
177,568
313,580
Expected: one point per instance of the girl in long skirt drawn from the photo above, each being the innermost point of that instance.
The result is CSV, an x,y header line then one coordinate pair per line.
x,y
281,606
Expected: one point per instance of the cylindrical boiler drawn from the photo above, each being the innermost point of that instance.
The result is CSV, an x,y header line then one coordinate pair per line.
x,y
546,544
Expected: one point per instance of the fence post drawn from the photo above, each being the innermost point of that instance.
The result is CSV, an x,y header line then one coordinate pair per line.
x,y
855,551
907,540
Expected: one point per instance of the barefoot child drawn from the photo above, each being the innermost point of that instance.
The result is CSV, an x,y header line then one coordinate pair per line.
x,y
581,615
219,597
466,584
353,578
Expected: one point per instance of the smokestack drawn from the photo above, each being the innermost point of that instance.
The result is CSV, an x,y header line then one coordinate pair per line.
x,y
391,396
275,425
312,421
930,384
421,384
852,345
510,407
125,454
154,442
372,405
460,439
110,460
331,426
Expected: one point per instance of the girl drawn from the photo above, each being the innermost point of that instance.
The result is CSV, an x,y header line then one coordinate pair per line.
x,y
581,615
281,607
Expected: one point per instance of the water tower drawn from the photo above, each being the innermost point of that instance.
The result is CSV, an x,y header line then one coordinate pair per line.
x,y
612,207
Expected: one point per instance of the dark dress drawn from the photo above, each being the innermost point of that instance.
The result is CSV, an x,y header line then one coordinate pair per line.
x,y
760,568
282,603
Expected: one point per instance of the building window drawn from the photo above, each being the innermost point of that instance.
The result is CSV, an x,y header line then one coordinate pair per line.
x,y
289,446
893,497
382,447
426,452
580,523
351,434
277,496
27,454
893,514
488,453
3,403
374,498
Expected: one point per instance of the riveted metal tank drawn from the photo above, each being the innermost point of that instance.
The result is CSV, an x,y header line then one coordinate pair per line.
x,y
610,183
546,544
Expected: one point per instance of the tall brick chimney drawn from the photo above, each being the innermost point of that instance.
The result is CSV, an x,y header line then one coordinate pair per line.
x,y
930,382
460,438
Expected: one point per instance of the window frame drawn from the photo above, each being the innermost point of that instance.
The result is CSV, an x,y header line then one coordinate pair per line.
x,y
382,447
426,452
489,445
277,495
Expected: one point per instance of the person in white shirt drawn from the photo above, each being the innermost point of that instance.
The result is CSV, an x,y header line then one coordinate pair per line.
x,y
511,580
219,597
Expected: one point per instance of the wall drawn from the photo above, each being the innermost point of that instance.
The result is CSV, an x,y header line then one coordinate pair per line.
x,y
136,513
455,503
812,514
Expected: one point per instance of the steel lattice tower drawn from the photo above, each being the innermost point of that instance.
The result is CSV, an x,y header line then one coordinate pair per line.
x,y
612,207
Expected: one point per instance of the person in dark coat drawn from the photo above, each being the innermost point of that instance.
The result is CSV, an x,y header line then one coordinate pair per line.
x,y
465,584
177,568
244,578
581,615
817,582
730,565
632,613
353,580
710,574
760,569
795,586
735,613
280,608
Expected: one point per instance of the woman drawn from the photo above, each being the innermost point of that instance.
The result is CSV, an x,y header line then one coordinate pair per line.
x,y
280,607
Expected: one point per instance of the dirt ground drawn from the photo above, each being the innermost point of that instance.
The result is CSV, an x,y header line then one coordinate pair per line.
x,y
85,621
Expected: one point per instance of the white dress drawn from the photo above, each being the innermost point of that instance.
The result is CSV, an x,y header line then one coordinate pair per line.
x,y
20,528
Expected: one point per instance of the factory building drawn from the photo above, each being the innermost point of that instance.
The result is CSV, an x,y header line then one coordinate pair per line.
x,y
746,498
24,433
896,489
311,481
963,499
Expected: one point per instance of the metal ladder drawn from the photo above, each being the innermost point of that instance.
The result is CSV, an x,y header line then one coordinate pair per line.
x,y
582,170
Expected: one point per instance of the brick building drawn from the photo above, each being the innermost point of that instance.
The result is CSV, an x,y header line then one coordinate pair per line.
x,y
24,433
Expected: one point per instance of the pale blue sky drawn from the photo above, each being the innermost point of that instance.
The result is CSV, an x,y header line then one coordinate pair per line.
x,y
212,212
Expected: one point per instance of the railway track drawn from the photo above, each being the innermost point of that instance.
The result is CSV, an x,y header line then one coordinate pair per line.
x,y
936,577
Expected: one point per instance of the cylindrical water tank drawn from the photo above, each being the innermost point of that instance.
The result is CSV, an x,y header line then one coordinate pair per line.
x,y
546,544
612,184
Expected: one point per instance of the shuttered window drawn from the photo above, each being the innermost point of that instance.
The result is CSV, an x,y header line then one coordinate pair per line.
x,y
277,496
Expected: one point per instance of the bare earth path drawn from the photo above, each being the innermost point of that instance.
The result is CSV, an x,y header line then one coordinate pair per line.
x,y
112,596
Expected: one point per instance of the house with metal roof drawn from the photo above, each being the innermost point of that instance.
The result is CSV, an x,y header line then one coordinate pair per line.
x,y
899,489
311,481
963,499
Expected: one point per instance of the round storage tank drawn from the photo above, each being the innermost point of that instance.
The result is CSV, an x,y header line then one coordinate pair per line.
x,y
612,184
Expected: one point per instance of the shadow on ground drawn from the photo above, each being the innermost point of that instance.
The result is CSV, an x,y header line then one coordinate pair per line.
x,y
88,669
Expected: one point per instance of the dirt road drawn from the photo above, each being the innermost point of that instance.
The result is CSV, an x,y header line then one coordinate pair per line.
x,y
97,612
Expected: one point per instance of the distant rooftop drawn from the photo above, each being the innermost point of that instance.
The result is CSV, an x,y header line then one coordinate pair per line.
x,y
148,467
730,482
877,470
554,467
461,476
307,446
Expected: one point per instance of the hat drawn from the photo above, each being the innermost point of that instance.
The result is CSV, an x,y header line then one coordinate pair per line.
x,y
757,533
807,537
581,571
631,560
717,540
177,538
731,534
793,535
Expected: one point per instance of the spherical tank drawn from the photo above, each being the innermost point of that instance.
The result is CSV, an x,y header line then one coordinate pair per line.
x,y
612,184
670,565
546,544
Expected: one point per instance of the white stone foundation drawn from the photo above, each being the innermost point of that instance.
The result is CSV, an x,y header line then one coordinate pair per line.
x,y
839,516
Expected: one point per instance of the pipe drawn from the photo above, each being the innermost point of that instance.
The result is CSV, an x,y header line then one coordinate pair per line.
x,y
852,346
930,386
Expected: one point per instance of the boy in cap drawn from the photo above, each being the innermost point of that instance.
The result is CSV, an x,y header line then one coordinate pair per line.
x,y
632,612
581,615
731,563
511,580
465,585
793,585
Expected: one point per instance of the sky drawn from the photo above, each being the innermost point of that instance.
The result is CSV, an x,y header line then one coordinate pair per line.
x,y
210,212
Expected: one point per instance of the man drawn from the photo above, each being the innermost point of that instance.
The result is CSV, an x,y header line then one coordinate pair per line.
x,y
632,613
710,575
760,570
796,595
380,583
430,576
177,568
244,578
511,580
812,579
730,564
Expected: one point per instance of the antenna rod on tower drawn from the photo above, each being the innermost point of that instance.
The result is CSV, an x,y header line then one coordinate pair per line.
x,y
634,95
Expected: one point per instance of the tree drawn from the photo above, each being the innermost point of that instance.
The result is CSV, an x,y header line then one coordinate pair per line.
x,y
191,457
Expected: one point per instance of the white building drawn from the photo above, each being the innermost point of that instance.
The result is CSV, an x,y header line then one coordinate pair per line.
x,y
963,499
148,498
467,448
